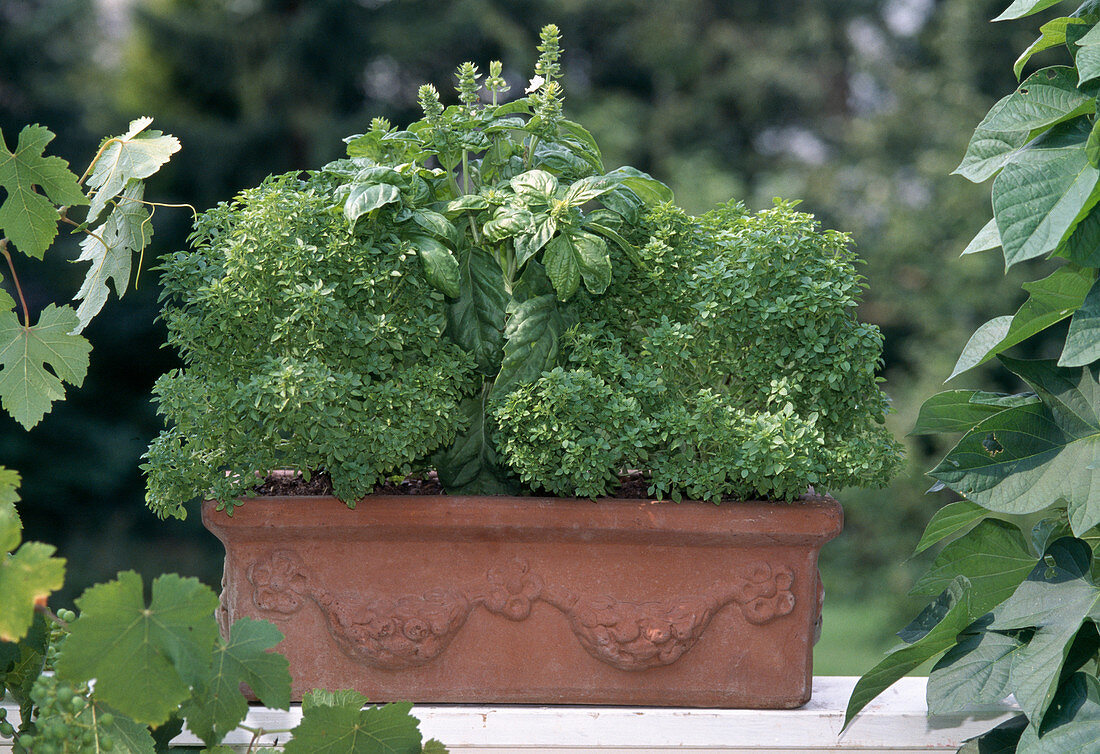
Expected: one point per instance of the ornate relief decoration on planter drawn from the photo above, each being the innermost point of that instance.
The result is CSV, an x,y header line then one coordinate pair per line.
x,y
409,630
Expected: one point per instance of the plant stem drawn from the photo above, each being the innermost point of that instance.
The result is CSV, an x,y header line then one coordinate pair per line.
x,y
95,159
465,171
45,611
473,228
15,279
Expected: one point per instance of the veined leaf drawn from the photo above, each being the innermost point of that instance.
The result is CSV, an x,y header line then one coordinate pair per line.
x,y
1076,723
529,244
471,466
956,616
27,388
951,518
988,238
367,197
439,264
1052,299
475,319
1052,34
346,729
974,671
960,410
436,224
1026,458
28,574
993,556
1092,146
144,658
127,736
645,187
1021,8
464,203
535,184
1047,97
1044,192
1083,244
612,236
989,151
28,218
126,231
217,705
531,334
1055,599
138,153
1000,740
1088,63
561,265
1083,339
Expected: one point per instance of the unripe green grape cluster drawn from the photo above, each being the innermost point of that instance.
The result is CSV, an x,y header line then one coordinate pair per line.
x,y
62,725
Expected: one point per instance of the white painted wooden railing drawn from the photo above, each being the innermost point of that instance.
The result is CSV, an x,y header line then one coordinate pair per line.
x,y
897,722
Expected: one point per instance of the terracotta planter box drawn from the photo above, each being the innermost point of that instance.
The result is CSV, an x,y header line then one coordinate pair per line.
x,y
535,600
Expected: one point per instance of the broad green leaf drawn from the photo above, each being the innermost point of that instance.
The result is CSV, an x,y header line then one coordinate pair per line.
x,y
29,574
1052,34
27,388
1021,8
529,244
1044,192
1073,723
217,705
28,218
144,658
367,197
138,153
535,184
1047,97
1082,246
126,231
974,671
9,493
531,333
346,729
432,746
509,221
988,238
594,261
1055,599
989,151
1052,299
1000,740
475,319
471,465
126,735
951,518
1082,345
562,266
645,187
899,662
612,236
6,301
984,340
586,189
1092,145
1088,63
1026,458
465,203
993,556
437,224
439,264
960,410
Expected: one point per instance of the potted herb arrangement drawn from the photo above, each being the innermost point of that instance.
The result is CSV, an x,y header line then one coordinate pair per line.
x,y
474,305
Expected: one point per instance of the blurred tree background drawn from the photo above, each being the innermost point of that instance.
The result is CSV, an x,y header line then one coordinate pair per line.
x,y
860,108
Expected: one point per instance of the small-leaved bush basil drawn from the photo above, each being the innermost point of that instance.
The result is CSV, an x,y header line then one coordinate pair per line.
x,y
308,344
477,295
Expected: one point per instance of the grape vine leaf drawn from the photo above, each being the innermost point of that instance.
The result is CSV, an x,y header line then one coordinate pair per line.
x,y
137,154
344,728
144,658
126,735
27,388
1055,599
6,301
27,574
1027,457
1044,192
110,249
28,218
217,705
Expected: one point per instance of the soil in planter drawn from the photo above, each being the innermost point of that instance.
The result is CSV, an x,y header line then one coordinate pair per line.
x,y
633,485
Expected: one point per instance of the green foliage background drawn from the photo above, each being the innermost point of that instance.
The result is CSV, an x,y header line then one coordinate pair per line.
x,y
859,107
